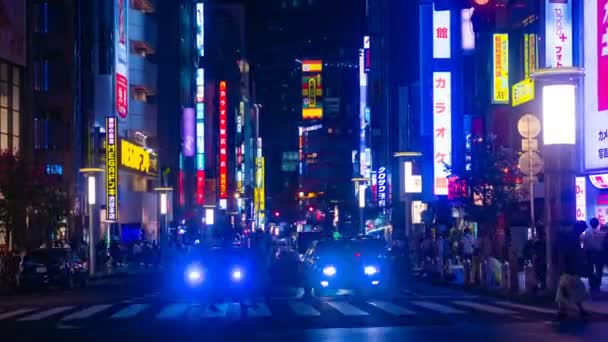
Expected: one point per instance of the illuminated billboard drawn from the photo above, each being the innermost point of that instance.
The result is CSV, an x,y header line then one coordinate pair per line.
x,y
530,54
223,140
500,67
188,148
121,63
581,200
441,34
558,33
137,158
111,170
200,28
442,128
312,96
595,133
382,187
367,57
559,114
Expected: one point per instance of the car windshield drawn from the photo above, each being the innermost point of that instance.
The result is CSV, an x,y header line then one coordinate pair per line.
x,y
355,247
46,255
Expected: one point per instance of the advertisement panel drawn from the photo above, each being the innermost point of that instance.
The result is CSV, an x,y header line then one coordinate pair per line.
x,y
367,57
121,66
200,29
111,170
530,55
441,34
312,96
523,92
467,29
12,31
500,67
559,114
558,33
223,140
442,128
412,182
382,186
596,84
137,158
581,200
188,148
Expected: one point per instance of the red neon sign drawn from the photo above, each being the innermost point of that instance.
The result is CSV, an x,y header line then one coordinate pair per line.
x,y
223,142
200,187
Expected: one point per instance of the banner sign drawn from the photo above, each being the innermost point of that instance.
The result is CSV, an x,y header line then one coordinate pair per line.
x,y
442,128
121,63
188,148
382,186
223,143
111,170
312,90
138,158
441,34
500,46
581,200
523,92
558,33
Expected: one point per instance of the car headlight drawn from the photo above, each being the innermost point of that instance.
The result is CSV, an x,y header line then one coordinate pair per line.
x,y
370,270
194,275
329,271
236,274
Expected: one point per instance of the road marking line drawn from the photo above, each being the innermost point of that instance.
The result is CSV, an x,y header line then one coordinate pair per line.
x,y
484,307
529,307
86,313
391,308
302,309
130,311
173,311
14,313
258,310
347,309
444,309
45,314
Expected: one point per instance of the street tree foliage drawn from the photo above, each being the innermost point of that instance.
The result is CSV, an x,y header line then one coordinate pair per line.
x,y
26,190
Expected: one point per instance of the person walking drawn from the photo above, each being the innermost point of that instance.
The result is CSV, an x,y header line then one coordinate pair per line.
x,y
571,290
596,242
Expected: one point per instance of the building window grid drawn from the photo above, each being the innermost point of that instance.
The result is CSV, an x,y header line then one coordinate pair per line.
x,y
10,104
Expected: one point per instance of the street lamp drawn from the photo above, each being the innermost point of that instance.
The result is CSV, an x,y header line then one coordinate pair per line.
x,y
163,198
560,89
89,173
361,184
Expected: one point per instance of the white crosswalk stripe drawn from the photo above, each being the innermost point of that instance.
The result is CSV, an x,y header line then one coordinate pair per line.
x,y
485,307
528,307
45,314
391,308
347,309
88,312
173,311
443,309
15,313
130,311
302,309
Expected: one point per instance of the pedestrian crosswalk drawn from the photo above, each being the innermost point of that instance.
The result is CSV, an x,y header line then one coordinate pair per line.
x,y
313,308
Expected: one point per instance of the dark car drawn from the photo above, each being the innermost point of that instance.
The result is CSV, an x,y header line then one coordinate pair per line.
x,y
52,267
219,272
357,264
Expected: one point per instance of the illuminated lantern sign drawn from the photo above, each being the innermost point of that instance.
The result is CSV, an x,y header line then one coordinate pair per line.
x,y
500,44
382,183
558,32
442,128
312,90
111,170
223,143
121,62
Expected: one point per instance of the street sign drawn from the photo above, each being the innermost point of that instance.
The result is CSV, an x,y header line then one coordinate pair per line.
x,y
523,92
530,163
528,126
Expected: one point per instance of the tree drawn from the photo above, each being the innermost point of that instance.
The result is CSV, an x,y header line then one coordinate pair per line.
x,y
51,206
14,196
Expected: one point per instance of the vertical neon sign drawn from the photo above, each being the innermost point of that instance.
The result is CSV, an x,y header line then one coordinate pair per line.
x,y
223,143
200,106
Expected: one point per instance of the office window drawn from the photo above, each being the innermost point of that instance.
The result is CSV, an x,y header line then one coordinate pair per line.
x,y
3,141
15,122
16,103
3,120
16,76
3,94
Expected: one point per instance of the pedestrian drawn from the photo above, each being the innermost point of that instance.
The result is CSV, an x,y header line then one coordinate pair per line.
x,y
589,248
468,244
596,242
571,290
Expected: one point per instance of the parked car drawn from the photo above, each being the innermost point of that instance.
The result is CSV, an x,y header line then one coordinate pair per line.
x,y
47,267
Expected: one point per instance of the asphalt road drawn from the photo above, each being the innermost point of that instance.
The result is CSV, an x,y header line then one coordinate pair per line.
x,y
137,309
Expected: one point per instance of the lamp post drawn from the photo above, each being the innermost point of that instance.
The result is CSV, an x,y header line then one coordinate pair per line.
x,y
90,173
361,184
408,156
559,106
163,198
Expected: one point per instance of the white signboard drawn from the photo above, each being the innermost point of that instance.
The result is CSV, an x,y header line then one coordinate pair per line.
x,y
442,130
413,183
558,32
596,84
441,34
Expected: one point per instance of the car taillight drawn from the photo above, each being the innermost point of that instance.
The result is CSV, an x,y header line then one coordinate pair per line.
x,y
357,255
